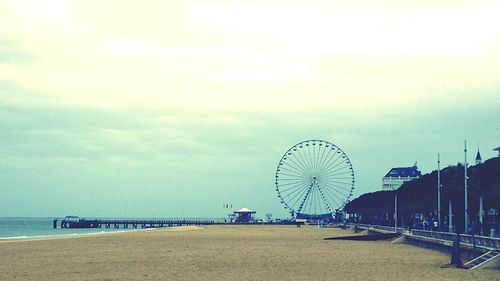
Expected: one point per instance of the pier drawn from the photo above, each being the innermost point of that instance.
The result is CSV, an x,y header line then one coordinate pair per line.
x,y
76,222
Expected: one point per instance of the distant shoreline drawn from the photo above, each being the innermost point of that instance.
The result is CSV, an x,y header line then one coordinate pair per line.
x,y
67,236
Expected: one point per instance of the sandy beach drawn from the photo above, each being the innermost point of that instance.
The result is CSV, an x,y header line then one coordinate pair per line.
x,y
226,253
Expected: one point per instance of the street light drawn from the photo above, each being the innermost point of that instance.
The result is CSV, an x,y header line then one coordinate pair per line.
x,y
439,193
466,215
395,210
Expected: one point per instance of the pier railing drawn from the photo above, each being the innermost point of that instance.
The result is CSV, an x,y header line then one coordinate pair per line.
x,y
127,223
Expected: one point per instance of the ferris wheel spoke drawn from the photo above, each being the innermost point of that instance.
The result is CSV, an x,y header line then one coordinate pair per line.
x,y
308,155
320,159
314,206
316,149
307,204
339,171
342,178
305,198
344,188
322,207
313,155
339,201
333,180
290,175
293,171
298,199
329,209
321,150
319,146
334,198
337,154
299,163
290,188
327,158
340,163
338,194
327,167
291,182
333,190
292,199
296,166
317,204
302,157
294,189
337,187
332,168
299,159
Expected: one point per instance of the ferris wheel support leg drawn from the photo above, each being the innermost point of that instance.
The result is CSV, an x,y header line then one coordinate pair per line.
x,y
305,198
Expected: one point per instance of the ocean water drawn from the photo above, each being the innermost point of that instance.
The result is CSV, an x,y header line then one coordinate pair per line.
x,y
33,228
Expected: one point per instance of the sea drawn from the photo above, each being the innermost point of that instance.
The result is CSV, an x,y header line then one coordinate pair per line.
x,y
39,228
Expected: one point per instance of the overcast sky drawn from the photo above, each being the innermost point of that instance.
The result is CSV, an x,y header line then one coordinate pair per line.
x,y
173,108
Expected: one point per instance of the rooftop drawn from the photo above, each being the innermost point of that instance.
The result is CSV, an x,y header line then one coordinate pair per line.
x,y
244,210
404,172
478,155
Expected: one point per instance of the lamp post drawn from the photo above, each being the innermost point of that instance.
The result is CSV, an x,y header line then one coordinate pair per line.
x,y
466,215
395,210
439,193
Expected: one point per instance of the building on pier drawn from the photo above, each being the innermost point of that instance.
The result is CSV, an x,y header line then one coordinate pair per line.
x,y
244,215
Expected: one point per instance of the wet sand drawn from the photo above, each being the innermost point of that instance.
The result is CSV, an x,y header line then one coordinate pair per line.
x,y
226,253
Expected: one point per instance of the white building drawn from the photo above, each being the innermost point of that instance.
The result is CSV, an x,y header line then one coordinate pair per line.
x,y
397,176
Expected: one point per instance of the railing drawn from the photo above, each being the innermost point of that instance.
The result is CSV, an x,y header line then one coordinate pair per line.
x,y
487,243
125,223
490,243
384,228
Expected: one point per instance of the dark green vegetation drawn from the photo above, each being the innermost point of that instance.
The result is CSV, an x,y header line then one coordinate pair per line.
x,y
417,199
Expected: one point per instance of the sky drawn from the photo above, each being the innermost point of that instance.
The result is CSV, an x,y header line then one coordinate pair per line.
x,y
175,108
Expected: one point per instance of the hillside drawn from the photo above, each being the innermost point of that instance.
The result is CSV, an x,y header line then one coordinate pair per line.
x,y
417,199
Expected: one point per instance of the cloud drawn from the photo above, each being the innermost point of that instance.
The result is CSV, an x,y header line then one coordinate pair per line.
x,y
12,53
275,56
200,100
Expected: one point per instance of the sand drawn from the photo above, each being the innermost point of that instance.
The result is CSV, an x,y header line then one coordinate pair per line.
x,y
226,253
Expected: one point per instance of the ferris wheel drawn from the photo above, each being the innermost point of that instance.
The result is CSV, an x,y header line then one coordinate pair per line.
x,y
314,179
